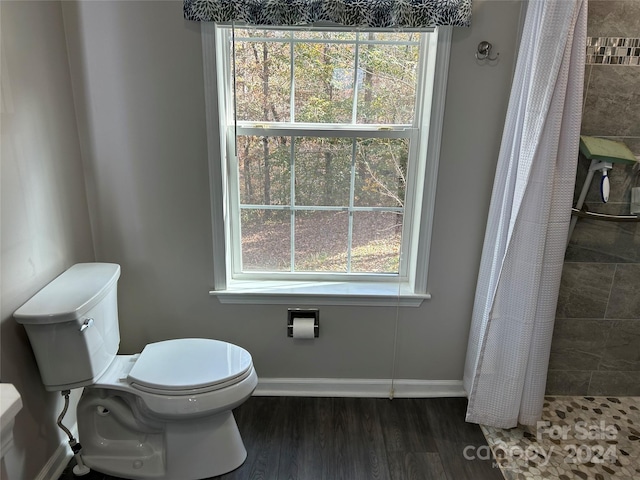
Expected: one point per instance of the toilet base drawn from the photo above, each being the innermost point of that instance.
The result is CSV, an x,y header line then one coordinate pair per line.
x,y
215,450
176,450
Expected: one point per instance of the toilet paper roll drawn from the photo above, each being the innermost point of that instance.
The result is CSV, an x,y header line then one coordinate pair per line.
x,y
303,328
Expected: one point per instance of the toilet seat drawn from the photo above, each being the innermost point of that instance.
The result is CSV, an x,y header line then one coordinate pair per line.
x,y
195,391
210,392
189,366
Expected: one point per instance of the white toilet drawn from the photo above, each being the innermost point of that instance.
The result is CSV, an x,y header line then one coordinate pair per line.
x,y
162,414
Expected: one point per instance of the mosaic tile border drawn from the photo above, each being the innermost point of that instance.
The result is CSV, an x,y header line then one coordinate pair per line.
x,y
613,51
578,438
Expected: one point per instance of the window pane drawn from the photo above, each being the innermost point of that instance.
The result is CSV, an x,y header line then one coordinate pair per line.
x,y
264,170
376,242
387,93
381,167
323,171
324,81
321,241
262,80
266,240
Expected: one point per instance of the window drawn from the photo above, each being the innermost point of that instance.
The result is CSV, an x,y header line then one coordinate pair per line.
x,y
329,156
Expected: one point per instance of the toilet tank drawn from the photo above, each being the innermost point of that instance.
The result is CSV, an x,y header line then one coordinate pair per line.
x,y
72,325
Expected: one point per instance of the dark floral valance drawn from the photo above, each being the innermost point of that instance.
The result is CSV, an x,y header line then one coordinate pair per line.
x,y
353,13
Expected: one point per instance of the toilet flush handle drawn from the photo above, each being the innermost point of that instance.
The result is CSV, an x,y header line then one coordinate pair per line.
x,y
87,323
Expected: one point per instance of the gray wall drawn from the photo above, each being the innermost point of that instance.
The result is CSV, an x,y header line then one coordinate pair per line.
x,y
45,221
135,70
596,343
138,84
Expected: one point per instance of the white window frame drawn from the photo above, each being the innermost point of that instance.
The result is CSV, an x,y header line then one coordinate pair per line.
x,y
409,288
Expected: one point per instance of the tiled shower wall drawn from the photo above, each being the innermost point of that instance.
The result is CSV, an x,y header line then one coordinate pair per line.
x,y
596,341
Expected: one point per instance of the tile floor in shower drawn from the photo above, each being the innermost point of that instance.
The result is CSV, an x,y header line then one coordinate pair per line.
x,y
587,438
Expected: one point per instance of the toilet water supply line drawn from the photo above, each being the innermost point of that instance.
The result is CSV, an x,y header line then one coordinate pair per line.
x,y
80,468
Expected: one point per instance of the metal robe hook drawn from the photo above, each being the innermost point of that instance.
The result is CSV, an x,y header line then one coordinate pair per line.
x,y
484,52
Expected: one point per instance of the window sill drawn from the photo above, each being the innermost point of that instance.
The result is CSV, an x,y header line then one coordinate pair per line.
x,y
320,293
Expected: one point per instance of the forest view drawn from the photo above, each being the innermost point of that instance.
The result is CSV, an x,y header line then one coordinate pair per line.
x,y
331,197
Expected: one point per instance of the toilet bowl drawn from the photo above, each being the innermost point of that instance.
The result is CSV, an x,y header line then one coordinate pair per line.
x,y
164,396
164,413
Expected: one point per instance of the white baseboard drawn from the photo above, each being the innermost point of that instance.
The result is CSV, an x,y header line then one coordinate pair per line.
x,y
357,387
59,460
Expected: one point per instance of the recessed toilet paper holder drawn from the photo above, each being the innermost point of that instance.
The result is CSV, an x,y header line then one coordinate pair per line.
x,y
294,313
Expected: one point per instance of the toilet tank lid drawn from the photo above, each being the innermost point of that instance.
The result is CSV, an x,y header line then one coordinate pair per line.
x,y
69,295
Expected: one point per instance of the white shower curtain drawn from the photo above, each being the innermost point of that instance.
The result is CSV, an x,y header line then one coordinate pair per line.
x,y
517,291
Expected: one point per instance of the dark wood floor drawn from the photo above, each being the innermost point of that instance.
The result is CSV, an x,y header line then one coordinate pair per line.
x,y
355,438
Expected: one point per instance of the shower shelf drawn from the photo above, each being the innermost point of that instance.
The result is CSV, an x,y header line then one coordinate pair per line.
x,y
605,217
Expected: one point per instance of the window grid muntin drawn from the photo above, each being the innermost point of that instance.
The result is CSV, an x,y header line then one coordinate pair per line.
x,y
356,66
